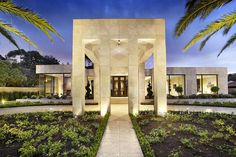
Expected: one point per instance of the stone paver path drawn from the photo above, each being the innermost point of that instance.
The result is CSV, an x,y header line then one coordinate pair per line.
x,y
119,139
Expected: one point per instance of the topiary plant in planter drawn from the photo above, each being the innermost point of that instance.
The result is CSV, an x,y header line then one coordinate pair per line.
x,y
215,89
149,91
88,94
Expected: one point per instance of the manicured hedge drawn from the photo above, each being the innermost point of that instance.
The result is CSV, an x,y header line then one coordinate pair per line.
x,y
15,95
213,104
28,103
201,96
145,145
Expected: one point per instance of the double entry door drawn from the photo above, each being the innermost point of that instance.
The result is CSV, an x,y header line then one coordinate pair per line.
x,y
119,86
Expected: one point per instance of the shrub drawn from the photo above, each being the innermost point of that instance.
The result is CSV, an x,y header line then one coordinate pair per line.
x,y
215,89
49,97
187,142
10,96
25,97
179,90
157,135
188,128
33,96
40,96
175,153
56,96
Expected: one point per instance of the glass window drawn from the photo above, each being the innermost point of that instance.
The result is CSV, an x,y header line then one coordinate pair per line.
x,y
205,82
49,81
174,81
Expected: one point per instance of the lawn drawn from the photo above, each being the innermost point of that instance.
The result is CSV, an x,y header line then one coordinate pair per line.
x,y
186,134
51,134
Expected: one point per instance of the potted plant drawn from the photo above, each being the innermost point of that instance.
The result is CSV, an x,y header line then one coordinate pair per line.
x,y
215,89
179,90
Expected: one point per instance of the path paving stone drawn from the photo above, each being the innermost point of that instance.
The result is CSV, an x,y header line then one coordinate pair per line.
x,y
119,139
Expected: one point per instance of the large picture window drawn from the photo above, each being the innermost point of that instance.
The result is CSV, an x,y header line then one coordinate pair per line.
x,y
205,82
174,81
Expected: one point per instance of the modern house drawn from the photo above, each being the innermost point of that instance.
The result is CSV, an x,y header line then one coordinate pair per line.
x,y
119,49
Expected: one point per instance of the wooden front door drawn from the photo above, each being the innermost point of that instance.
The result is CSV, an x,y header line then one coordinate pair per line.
x,y
119,86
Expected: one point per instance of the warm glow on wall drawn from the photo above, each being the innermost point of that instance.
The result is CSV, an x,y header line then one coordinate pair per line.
x,y
3,101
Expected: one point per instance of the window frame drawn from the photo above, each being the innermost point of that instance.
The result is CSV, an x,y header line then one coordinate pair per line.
x,y
201,80
169,82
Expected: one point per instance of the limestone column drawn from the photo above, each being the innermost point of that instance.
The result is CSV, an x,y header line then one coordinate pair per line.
x,y
133,77
96,83
159,74
78,73
105,82
141,80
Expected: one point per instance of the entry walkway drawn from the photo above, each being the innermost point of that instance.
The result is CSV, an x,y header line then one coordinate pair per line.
x,y
119,139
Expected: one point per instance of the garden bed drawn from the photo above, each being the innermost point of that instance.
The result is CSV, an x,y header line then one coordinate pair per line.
x,y
186,134
51,134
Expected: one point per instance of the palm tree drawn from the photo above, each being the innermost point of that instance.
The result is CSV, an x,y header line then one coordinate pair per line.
x,y
202,8
6,29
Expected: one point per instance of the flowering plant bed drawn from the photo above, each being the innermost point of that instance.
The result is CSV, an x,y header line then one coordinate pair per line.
x,y
51,134
186,134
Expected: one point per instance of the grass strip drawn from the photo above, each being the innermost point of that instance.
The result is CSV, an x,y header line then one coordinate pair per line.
x,y
98,137
145,145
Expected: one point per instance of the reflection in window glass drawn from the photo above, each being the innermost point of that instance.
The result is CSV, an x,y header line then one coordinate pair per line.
x,y
205,82
174,81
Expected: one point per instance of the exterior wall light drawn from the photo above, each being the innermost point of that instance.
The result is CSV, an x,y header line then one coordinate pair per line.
x,y
3,101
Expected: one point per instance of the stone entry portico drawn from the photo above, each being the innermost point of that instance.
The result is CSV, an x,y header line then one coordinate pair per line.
x,y
119,47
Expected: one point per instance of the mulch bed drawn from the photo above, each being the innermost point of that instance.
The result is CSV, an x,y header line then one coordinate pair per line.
x,y
172,145
85,127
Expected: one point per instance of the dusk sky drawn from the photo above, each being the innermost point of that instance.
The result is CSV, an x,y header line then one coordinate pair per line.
x,y
60,14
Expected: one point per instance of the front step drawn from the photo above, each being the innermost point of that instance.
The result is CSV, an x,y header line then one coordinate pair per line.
x,y
119,100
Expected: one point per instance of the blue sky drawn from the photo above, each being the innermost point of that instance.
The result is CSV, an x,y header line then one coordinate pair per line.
x,y
61,12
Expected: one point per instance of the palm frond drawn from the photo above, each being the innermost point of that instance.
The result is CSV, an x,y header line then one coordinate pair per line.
x,y
226,30
15,31
226,21
7,35
228,43
30,16
197,8
203,43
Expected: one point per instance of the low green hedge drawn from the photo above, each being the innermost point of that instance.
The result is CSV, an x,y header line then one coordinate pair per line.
x,y
9,96
98,136
213,104
145,145
196,103
201,96
28,103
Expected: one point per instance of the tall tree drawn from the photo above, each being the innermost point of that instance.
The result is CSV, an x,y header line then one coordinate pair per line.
x,y
6,29
28,63
11,75
201,9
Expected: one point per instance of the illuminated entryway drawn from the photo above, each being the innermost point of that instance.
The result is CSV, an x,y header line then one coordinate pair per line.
x,y
118,49
119,86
